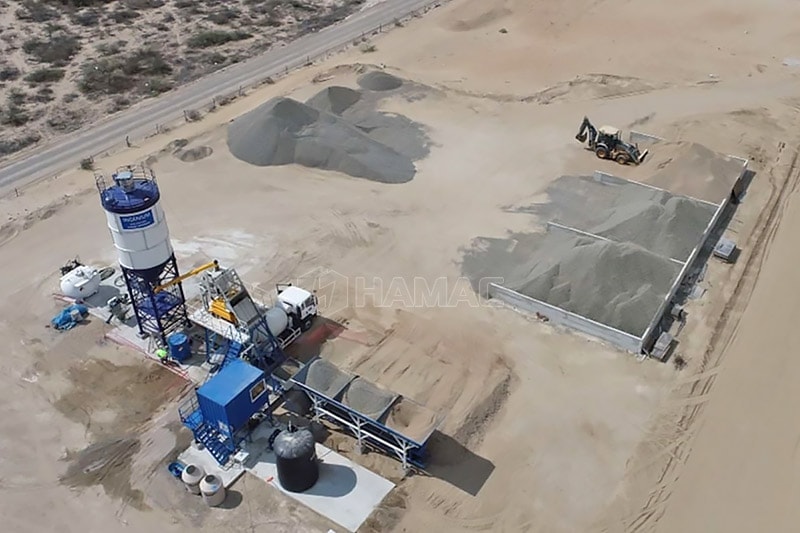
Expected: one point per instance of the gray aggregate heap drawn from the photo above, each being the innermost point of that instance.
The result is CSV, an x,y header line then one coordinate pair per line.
x,y
324,377
664,223
367,398
617,284
338,129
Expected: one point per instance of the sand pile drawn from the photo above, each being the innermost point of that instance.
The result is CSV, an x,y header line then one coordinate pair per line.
x,y
324,377
379,81
692,170
283,131
410,419
618,284
367,398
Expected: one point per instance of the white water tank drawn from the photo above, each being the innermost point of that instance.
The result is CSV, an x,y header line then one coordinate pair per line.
x,y
213,490
136,221
191,476
277,320
81,282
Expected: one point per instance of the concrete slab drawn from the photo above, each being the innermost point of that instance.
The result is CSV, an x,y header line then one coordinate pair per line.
x,y
204,459
346,493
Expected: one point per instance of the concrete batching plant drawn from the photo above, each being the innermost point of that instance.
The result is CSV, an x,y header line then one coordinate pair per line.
x,y
141,237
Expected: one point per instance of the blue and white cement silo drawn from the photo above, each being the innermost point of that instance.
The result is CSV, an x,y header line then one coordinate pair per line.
x,y
141,236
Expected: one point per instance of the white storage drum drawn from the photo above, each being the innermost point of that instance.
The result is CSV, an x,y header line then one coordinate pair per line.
x,y
296,459
191,477
213,490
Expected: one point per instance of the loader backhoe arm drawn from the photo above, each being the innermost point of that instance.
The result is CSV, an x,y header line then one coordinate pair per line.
x,y
587,127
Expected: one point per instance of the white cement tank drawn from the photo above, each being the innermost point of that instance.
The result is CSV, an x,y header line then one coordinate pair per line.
x,y
213,490
136,221
277,320
191,476
81,282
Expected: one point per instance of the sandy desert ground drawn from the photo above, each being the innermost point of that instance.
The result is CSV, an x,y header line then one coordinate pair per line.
x,y
545,430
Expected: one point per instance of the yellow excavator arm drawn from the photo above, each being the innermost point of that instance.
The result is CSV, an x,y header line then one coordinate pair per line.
x,y
191,273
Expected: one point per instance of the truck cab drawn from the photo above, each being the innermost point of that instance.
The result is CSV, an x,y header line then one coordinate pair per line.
x,y
299,303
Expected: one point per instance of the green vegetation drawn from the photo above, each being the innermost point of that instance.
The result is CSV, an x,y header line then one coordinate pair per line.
x,y
45,75
57,50
207,39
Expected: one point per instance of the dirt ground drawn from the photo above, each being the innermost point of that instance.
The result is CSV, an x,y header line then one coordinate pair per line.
x,y
544,430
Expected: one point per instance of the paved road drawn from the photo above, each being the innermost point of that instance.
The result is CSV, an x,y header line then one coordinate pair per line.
x,y
142,119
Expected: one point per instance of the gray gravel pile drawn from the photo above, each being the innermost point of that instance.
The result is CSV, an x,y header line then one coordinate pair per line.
x,y
324,377
618,284
367,398
360,108
334,99
664,223
671,229
283,131
379,81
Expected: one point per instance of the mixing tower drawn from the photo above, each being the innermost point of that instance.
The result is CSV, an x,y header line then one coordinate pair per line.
x,y
141,237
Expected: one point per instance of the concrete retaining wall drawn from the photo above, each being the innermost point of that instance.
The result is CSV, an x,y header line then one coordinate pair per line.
x,y
653,330
556,315
639,137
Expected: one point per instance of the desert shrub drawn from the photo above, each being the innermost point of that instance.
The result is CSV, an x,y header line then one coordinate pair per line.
x,y
155,86
14,115
207,39
45,75
36,11
9,146
183,4
144,4
80,3
118,104
110,49
143,70
87,18
70,97
146,62
103,76
43,95
123,15
58,50
66,120
9,72
16,97
87,163
223,16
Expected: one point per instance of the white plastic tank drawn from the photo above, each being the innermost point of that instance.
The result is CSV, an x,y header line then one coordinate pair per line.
x,y
277,320
213,490
191,476
136,220
81,282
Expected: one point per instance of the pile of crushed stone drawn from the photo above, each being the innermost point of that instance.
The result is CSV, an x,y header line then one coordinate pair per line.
x,y
338,129
618,284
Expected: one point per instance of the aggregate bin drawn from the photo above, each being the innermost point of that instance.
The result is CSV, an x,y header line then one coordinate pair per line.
x,y
230,398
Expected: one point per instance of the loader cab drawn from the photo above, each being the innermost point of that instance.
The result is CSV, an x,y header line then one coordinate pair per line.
x,y
609,133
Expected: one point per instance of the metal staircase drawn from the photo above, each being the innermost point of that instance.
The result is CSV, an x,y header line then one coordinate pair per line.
x,y
220,446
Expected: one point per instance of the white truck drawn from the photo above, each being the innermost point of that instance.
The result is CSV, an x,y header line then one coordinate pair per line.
x,y
292,315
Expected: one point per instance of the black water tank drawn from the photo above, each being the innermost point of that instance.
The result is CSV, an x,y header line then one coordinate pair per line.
x,y
296,459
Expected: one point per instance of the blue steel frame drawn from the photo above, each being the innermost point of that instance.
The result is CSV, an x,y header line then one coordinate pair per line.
x,y
162,313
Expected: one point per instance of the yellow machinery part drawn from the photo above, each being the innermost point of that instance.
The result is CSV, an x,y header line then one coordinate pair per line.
x,y
220,309
179,279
